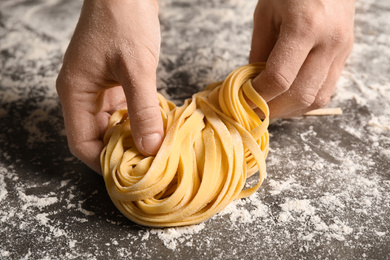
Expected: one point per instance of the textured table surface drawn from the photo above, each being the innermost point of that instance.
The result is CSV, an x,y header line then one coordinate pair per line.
x,y
327,195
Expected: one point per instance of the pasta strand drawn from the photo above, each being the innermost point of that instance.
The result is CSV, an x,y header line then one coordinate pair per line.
x,y
212,144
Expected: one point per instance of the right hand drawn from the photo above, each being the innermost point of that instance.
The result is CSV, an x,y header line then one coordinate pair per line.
x,y
111,62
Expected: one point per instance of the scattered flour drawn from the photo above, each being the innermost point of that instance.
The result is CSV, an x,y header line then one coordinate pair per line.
x,y
297,208
278,187
380,234
42,218
172,236
4,253
293,206
381,123
35,201
3,187
239,213
332,202
302,207
301,210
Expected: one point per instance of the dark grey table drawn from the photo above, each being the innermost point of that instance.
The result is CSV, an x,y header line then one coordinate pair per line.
x,y
327,195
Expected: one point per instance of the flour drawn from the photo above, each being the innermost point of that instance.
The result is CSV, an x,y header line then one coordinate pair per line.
x,y
326,195
301,210
42,218
381,123
236,212
291,207
35,201
278,187
4,253
84,211
301,207
332,202
380,234
172,236
3,187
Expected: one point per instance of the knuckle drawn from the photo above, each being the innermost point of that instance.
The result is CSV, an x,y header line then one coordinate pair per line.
x,y
305,26
321,101
278,81
147,64
146,115
76,148
64,82
145,59
341,35
306,33
139,61
306,99
309,22
60,84
75,151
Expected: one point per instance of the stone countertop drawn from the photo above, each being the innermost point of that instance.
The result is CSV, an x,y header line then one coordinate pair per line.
x,y
327,195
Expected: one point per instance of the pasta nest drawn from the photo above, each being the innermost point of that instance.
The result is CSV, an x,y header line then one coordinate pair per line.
x,y
212,144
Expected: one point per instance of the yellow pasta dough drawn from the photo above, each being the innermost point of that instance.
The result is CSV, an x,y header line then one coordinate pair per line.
x,y
212,144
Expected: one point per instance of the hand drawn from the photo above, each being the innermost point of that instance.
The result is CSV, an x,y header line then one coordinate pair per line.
x,y
111,62
306,44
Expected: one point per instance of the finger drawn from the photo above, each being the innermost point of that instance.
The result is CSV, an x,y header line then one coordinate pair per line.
x,y
82,129
144,111
328,88
325,93
88,147
264,34
303,92
111,99
284,62
264,37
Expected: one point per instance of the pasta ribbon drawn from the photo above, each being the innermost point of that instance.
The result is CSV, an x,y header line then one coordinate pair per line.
x,y
212,144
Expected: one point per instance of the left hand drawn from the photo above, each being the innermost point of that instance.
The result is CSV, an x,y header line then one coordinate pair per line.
x,y
305,44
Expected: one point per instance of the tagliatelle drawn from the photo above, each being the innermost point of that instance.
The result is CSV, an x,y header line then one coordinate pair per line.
x,y
212,144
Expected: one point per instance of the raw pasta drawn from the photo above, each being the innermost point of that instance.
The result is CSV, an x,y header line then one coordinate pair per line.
x,y
212,144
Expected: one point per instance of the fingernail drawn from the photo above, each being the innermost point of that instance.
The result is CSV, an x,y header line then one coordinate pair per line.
x,y
151,143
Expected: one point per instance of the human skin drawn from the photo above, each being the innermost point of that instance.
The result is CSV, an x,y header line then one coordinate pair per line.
x,y
111,62
305,44
112,59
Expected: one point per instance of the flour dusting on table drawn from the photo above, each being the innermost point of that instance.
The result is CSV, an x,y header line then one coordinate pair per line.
x,y
327,194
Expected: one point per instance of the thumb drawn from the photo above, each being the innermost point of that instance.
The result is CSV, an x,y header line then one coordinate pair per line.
x,y
144,112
